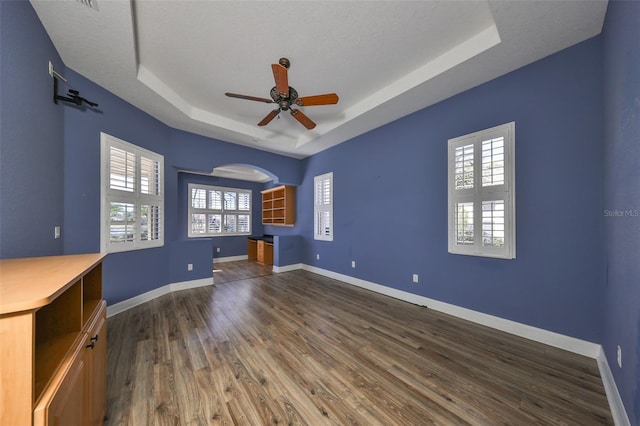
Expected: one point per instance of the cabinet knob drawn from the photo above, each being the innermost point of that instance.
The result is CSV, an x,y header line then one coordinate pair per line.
x,y
91,345
94,338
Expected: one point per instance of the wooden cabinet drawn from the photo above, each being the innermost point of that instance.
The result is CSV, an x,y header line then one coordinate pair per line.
x,y
279,206
260,250
252,249
265,252
50,309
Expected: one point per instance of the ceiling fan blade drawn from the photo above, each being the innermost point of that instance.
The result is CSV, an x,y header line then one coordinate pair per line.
x,y
269,117
303,119
326,99
250,98
280,75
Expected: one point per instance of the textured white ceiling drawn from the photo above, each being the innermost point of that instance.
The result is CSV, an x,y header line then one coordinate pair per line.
x,y
385,59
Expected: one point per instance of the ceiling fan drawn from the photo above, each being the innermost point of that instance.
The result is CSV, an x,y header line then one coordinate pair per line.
x,y
286,97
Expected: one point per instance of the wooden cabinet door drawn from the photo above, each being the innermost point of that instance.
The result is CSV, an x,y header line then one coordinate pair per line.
x,y
268,254
252,249
67,408
260,250
96,359
64,405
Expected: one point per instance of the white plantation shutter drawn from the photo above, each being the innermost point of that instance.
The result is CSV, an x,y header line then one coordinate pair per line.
x,y
149,176
132,214
215,200
464,166
323,207
149,222
199,198
482,193
230,200
244,223
230,222
244,201
217,211
122,169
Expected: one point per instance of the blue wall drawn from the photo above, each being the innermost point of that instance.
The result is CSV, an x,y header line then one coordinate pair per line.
x,y
50,165
131,273
31,137
390,199
199,153
125,274
564,107
622,198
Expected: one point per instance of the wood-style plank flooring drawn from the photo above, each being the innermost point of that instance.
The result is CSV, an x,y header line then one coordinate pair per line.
x,y
300,349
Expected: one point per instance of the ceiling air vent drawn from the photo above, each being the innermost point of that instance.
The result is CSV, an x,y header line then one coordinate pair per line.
x,y
93,4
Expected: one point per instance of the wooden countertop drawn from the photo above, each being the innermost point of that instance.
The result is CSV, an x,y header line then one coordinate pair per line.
x,y
30,283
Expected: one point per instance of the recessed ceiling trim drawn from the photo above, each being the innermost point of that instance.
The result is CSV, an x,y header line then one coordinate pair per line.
x,y
149,79
473,46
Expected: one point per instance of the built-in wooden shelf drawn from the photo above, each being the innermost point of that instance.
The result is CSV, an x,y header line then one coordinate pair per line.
x,y
279,206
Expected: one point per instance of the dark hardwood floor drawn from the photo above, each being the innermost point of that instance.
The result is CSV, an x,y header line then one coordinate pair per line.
x,y
224,272
300,349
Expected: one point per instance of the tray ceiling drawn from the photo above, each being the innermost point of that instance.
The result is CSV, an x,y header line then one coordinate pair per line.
x,y
385,59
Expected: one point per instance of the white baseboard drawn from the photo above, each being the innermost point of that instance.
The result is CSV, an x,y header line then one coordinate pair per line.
x,y
618,412
557,340
229,259
287,268
124,305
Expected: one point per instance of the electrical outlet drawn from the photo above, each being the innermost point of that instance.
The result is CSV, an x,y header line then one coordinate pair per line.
x,y
190,267
56,232
217,249
415,278
619,356
318,256
353,263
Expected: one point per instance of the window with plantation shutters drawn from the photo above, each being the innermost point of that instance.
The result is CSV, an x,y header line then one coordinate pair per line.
x,y
132,213
481,188
218,211
323,207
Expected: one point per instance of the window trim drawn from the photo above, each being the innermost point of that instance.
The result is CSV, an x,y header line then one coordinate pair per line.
x,y
478,193
192,210
323,208
108,195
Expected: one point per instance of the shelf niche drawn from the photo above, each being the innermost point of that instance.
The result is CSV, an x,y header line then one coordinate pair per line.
x,y
279,206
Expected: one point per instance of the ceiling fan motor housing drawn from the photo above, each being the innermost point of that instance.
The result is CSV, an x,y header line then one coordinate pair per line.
x,y
284,102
